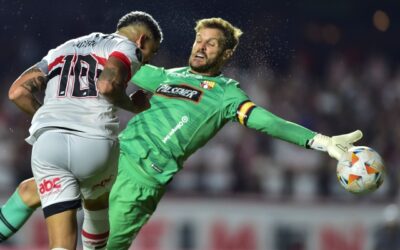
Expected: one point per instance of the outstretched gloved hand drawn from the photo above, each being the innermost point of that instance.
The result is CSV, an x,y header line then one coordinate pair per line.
x,y
337,145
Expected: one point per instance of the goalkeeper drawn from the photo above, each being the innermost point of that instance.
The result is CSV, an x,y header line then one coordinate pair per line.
x,y
189,106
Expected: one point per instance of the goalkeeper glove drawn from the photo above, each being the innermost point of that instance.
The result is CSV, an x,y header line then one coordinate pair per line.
x,y
336,146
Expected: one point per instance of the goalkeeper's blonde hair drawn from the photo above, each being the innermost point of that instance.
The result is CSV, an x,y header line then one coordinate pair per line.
x,y
231,33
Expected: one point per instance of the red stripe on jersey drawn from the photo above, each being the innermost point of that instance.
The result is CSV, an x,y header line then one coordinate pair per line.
x,y
95,236
100,60
55,62
125,60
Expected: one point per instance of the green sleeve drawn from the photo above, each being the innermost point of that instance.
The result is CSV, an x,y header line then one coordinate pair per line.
x,y
149,77
233,97
239,108
268,123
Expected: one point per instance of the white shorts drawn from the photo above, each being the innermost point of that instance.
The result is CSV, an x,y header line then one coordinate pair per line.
x,y
68,167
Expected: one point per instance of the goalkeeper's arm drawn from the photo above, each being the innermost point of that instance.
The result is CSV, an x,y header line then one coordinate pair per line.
x,y
266,122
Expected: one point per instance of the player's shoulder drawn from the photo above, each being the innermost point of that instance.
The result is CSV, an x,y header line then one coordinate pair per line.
x,y
85,40
150,67
227,82
99,37
177,70
231,86
89,36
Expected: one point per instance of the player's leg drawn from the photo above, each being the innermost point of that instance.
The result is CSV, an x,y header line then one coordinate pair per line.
x,y
18,208
95,186
28,192
58,187
95,227
64,236
132,202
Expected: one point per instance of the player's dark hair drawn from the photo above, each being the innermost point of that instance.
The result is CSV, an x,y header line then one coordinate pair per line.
x,y
141,18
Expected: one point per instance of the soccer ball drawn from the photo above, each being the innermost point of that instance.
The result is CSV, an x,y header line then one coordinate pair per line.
x,y
360,170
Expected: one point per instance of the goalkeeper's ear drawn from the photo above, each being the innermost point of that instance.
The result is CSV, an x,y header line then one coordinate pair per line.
x,y
228,53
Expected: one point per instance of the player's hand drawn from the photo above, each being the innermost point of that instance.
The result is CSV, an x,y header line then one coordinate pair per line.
x,y
140,100
336,146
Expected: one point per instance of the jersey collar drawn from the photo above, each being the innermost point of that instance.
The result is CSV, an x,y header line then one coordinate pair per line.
x,y
199,76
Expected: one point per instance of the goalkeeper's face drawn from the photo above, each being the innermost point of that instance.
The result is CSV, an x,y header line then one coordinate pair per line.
x,y
207,52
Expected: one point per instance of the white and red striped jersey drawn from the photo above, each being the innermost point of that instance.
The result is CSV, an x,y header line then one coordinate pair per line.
x,y
71,98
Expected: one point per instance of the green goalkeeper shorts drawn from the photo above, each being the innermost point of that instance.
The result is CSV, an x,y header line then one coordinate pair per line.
x,y
133,199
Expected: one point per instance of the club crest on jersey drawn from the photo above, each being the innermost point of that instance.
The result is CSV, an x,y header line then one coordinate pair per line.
x,y
180,91
207,84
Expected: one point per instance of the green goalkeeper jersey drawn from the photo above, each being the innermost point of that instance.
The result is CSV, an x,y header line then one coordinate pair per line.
x,y
187,110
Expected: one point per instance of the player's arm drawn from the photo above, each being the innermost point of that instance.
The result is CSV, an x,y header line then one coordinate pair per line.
x,y
266,122
252,116
149,77
241,109
22,91
112,84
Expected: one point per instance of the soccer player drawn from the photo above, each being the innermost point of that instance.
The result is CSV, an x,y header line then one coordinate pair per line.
x,y
189,106
74,133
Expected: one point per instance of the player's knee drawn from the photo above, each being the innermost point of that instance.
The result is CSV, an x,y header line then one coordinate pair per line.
x,y
27,190
98,203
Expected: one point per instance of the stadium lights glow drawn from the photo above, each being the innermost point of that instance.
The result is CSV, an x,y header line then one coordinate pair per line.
x,y
381,20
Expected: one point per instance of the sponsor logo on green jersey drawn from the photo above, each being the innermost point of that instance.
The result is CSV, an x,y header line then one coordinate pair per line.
x,y
179,125
180,91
